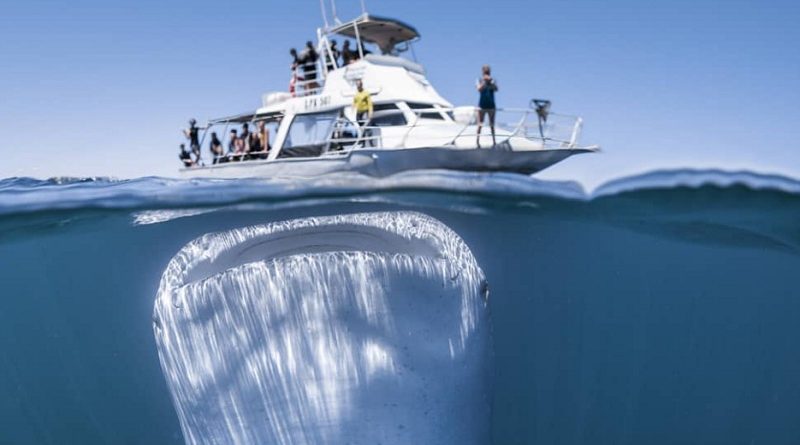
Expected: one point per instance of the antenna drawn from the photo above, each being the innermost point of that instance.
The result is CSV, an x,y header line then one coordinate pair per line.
x,y
324,13
333,11
334,14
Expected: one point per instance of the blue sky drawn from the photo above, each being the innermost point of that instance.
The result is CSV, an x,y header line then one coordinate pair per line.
x,y
102,88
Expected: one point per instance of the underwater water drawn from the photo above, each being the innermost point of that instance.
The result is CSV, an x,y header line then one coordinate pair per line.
x,y
428,307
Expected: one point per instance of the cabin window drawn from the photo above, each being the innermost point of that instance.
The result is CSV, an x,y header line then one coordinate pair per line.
x,y
395,119
388,115
385,107
427,114
309,134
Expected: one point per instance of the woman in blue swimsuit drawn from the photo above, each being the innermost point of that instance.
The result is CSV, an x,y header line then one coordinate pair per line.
x,y
486,106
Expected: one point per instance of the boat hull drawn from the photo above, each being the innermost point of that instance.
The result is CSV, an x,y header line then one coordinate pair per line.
x,y
386,162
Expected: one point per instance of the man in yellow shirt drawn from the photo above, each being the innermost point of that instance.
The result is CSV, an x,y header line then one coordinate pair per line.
x,y
362,102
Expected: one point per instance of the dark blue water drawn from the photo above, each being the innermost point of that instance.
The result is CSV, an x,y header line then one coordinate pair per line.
x,y
660,309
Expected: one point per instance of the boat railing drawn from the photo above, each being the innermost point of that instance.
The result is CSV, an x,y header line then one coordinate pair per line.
x,y
557,131
554,131
301,87
347,135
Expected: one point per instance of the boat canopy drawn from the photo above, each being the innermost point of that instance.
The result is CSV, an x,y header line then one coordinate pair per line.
x,y
247,117
384,32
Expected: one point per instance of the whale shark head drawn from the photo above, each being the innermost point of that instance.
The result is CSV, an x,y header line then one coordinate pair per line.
x,y
365,328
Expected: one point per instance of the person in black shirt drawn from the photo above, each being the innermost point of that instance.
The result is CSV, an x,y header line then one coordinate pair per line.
x,y
263,139
216,149
311,55
233,141
245,136
296,76
364,50
192,134
486,86
296,60
254,147
348,56
332,56
186,157
309,60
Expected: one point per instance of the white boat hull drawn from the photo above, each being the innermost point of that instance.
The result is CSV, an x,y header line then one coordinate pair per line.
x,y
385,162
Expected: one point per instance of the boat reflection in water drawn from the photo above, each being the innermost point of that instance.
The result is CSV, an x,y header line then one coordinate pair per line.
x,y
366,328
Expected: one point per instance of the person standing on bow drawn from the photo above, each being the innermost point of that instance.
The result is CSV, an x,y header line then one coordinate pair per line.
x,y
486,106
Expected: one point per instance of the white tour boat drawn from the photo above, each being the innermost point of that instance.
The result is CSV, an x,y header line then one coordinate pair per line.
x,y
313,129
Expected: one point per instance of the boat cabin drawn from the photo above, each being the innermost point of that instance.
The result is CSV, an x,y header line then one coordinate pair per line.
x,y
315,121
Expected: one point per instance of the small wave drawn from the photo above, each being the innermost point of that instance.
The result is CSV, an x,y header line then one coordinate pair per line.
x,y
25,182
159,193
689,178
25,195
148,217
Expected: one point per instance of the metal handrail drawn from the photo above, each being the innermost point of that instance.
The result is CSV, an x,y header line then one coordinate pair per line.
x,y
338,142
365,133
514,132
301,88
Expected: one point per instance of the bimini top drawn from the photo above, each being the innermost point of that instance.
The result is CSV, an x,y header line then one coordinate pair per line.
x,y
386,33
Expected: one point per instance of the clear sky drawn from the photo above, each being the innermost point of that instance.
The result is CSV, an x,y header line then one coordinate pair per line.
x,y
102,88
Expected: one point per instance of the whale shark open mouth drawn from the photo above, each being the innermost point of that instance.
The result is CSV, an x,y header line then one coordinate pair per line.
x,y
366,328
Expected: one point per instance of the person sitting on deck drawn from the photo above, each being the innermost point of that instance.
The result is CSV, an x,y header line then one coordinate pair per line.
x,y
263,139
254,149
245,135
215,146
233,142
242,141
186,157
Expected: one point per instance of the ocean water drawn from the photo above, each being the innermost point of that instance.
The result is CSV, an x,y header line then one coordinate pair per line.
x,y
429,307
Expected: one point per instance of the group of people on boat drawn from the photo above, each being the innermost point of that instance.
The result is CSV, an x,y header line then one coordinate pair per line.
x,y
305,64
242,146
304,68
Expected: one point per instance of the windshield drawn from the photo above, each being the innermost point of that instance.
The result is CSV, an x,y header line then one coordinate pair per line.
x,y
309,134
